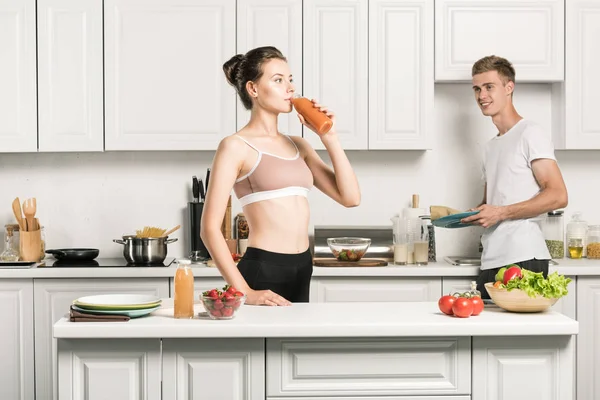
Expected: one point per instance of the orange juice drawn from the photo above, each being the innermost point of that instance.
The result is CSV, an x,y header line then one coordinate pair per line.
x,y
315,117
184,290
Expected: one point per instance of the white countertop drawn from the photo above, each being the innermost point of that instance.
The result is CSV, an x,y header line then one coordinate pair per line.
x,y
304,320
566,266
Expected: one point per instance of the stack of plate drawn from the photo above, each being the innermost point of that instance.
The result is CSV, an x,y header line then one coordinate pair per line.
x,y
132,305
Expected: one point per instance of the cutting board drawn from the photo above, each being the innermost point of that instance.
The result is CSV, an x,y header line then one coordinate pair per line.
x,y
365,262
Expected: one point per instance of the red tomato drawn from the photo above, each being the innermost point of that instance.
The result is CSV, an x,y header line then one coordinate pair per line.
x,y
511,273
462,307
445,304
477,305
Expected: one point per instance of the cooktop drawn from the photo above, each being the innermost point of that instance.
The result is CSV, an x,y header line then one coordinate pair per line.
x,y
101,263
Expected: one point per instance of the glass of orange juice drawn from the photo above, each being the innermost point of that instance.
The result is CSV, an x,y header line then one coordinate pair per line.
x,y
184,290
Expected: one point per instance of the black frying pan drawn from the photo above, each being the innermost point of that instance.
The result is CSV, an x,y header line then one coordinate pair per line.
x,y
74,254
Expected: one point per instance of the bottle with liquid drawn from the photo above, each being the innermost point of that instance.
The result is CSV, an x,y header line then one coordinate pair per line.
x,y
474,292
421,245
576,235
184,290
312,115
9,253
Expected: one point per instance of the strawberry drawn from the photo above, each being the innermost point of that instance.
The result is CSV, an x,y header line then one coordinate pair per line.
x,y
227,312
231,290
216,313
239,294
213,294
229,299
218,304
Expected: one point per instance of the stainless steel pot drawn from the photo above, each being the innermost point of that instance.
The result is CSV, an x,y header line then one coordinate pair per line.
x,y
144,250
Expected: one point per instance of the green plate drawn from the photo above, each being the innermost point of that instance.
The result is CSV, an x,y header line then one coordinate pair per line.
x,y
129,313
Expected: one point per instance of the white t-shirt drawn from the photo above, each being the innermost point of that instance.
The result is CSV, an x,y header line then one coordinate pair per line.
x,y
507,171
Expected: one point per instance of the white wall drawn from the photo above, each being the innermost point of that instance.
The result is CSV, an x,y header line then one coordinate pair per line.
x,y
88,199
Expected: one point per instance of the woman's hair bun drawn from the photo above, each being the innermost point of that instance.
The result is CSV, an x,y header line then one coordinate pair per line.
x,y
232,69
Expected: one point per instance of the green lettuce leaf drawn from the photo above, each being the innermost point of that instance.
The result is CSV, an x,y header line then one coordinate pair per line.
x,y
533,283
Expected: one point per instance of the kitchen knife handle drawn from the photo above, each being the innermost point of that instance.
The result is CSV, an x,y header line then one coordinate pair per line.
x,y
202,193
195,189
207,178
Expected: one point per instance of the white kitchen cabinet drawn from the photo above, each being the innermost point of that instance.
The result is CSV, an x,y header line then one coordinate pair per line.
x,y
576,100
374,398
70,76
18,103
16,339
523,368
400,74
52,300
232,369
336,66
115,369
360,289
529,33
272,23
588,340
456,284
382,367
164,83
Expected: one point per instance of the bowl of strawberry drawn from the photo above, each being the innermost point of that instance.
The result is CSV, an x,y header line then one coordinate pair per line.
x,y
224,303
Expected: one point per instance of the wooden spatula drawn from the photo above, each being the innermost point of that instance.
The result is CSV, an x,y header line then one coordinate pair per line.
x,y
167,233
16,206
29,209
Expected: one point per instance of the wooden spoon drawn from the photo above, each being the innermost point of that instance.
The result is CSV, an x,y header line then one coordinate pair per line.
x,y
167,233
16,206
29,209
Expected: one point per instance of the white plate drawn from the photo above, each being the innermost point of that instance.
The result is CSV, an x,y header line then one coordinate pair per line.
x,y
118,300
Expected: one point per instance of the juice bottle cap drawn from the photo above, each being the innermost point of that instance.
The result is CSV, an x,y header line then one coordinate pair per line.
x,y
184,262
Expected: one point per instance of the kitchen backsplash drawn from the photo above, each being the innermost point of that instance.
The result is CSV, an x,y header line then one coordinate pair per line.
x,y
88,199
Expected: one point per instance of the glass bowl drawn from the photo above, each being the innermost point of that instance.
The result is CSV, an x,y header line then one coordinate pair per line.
x,y
222,308
348,248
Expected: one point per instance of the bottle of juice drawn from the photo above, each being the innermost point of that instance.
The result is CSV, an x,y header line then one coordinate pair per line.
x,y
315,117
184,290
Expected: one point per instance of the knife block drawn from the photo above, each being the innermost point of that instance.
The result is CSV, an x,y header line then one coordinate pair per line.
x,y
30,245
198,251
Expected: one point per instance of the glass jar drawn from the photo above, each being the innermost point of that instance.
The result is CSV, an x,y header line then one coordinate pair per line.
x,y
474,292
593,242
421,245
554,235
10,253
184,290
430,230
241,227
576,236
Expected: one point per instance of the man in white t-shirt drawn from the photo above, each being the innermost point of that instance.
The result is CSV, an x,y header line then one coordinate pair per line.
x,y
522,178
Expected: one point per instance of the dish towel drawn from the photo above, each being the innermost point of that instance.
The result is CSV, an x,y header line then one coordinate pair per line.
x,y
438,212
78,316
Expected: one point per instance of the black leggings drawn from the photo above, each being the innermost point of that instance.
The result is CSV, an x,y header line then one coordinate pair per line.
x,y
489,275
288,275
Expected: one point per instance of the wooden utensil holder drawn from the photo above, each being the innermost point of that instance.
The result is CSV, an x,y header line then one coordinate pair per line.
x,y
30,245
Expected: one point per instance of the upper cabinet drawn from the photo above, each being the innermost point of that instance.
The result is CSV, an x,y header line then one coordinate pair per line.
x,y
335,66
18,109
164,82
400,74
70,82
529,33
272,23
580,127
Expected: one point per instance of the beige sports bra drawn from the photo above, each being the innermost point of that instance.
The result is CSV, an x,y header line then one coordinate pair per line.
x,y
273,176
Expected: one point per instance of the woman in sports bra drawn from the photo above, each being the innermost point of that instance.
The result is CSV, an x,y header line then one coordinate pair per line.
x,y
271,175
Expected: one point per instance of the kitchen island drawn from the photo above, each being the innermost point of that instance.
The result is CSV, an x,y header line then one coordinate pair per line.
x,y
325,351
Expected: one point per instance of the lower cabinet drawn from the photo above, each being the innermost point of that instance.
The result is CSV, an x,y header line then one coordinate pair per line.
x,y
532,368
362,289
368,367
228,369
52,300
115,369
16,339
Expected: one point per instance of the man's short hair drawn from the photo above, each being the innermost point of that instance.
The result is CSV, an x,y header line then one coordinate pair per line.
x,y
494,63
